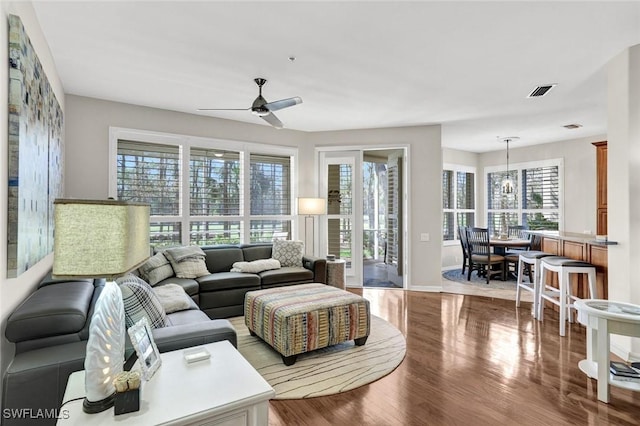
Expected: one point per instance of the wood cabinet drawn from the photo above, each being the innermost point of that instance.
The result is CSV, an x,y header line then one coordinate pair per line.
x,y
601,187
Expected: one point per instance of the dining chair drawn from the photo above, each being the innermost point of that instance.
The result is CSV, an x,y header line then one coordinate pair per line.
x,y
517,231
462,236
512,255
480,256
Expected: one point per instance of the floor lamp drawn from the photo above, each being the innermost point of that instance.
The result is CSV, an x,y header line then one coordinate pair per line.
x,y
101,239
310,208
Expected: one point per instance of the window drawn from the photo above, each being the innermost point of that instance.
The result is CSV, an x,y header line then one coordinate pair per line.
x,y
458,200
206,196
535,202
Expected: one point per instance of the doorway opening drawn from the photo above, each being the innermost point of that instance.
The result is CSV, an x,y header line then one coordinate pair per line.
x,y
382,218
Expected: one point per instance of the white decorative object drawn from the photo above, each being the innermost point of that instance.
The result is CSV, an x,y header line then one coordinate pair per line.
x,y
142,341
101,239
105,347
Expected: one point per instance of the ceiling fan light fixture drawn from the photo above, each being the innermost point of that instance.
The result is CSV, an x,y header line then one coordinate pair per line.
x,y
260,112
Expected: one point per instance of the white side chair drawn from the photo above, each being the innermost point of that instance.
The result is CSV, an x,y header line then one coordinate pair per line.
x,y
529,259
562,296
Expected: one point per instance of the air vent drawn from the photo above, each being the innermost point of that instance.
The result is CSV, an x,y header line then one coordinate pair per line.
x,y
540,91
572,126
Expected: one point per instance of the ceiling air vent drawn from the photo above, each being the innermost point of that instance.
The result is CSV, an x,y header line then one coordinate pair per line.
x,y
572,126
540,91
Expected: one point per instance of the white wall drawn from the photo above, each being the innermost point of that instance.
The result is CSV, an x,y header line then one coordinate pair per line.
x,y
623,168
13,291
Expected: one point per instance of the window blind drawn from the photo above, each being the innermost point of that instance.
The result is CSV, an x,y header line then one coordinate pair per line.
x,y
149,173
214,183
270,181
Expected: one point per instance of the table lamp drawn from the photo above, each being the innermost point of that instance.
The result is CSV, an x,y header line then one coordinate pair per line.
x,y
311,207
101,239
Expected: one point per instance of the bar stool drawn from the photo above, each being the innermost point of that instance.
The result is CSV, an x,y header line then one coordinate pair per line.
x,y
562,296
527,259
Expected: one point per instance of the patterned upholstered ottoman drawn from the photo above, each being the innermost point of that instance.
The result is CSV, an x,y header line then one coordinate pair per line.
x,y
300,318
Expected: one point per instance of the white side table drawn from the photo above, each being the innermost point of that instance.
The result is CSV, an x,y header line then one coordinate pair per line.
x,y
336,274
602,318
223,390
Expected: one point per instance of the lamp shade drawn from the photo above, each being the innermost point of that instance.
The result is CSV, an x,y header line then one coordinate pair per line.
x,y
312,206
99,238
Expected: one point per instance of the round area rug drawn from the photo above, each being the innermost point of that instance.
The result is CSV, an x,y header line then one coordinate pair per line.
x,y
325,371
457,276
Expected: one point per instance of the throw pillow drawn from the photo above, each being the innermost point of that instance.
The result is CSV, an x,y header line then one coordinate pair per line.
x,y
187,262
256,266
140,301
156,269
287,252
172,297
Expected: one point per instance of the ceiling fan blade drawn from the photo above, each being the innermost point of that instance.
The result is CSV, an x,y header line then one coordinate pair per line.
x,y
283,103
224,109
273,120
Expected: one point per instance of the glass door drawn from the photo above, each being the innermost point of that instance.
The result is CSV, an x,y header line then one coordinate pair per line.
x,y
341,230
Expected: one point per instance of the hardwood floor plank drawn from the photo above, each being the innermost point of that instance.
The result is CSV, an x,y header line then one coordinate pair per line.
x,y
470,360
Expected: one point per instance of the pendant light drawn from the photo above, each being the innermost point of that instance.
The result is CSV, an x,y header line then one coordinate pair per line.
x,y
507,183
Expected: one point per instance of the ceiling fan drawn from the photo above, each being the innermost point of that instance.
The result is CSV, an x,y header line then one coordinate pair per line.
x,y
262,108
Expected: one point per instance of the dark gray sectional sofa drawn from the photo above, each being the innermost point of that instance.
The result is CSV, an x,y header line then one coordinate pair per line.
x,y
221,294
50,328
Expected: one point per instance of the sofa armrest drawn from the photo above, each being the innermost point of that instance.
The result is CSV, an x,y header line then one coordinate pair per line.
x,y
194,334
318,266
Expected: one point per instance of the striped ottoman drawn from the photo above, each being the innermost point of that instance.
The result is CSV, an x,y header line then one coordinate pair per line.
x,y
300,318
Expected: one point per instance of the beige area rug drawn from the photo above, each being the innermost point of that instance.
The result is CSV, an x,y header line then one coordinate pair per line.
x,y
329,370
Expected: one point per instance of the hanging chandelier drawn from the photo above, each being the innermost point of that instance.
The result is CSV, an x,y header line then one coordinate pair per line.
x,y
507,182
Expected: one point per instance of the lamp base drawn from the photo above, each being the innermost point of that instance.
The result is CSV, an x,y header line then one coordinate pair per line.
x,y
93,407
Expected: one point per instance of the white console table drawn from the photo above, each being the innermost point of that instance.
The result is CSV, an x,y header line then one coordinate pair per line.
x,y
603,318
222,390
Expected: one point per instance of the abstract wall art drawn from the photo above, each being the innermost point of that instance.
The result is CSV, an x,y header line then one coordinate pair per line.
x,y
35,155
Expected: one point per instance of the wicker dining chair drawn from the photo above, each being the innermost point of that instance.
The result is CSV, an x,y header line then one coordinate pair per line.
x,y
481,258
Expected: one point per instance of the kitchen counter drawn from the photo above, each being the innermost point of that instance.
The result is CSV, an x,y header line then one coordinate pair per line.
x,y
574,236
583,247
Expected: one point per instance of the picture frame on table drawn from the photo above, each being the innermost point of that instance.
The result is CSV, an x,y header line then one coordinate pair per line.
x,y
142,341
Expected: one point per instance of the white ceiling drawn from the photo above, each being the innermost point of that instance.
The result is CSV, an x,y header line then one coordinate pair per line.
x,y
466,65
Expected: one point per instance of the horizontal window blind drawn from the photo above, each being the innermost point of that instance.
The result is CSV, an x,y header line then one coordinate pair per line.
x,y
270,181
215,183
447,189
465,188
540,186
149,173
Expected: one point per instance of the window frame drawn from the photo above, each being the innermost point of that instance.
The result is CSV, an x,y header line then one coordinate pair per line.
x,y
455,168
185,143
519,168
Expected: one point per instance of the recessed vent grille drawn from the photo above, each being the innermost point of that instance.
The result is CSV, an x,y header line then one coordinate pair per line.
x,y
540,91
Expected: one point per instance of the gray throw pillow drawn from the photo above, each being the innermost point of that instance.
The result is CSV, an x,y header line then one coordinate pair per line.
x,y
187,262
288,252
156,269
140,301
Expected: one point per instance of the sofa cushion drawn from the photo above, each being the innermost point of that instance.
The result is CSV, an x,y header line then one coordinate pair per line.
x,y
222,259
189,285
172,298
256,266
187,262
140,301
156,269
286,275
256,251
288,252
56,309
227,280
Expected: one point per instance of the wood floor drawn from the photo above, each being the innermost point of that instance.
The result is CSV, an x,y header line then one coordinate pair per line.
x,y
470,360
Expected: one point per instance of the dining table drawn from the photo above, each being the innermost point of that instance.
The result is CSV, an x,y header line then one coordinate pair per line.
x,y
500,246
